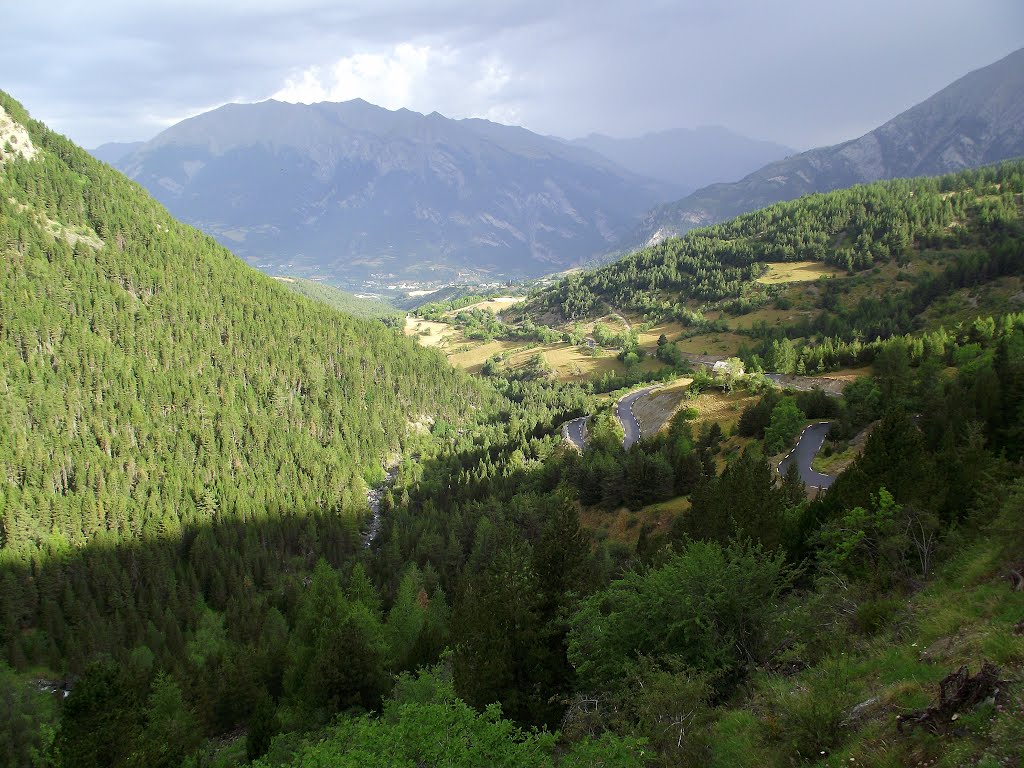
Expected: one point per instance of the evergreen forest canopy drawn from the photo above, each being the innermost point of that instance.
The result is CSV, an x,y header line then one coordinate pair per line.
x,y
153,384
971,221
187,448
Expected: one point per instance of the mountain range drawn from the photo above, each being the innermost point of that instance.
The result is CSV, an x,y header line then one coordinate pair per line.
x,y
978,119
113,151
351,191
189,450
688,157
363,196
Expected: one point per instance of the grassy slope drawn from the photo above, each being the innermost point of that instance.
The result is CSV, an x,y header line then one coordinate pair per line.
x,y
843,710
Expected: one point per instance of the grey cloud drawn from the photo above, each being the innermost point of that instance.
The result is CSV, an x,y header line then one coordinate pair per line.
x,y
800,72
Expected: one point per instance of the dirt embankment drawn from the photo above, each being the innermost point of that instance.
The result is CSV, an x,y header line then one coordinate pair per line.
x,y
807,383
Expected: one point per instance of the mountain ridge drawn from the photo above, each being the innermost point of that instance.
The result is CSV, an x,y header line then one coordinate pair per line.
x,y
690,157
976,120
349,190
112,151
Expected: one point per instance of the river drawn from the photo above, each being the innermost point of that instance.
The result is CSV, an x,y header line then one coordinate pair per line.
x,y
373,497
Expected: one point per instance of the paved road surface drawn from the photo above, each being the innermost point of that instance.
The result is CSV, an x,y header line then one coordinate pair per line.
x,y
575,432
624,412
807,447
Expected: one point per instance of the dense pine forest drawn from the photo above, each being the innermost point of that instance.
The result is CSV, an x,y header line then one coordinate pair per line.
x,y
188,450
179,434
854,229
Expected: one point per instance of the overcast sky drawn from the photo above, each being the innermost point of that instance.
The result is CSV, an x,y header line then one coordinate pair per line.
x,y
801,72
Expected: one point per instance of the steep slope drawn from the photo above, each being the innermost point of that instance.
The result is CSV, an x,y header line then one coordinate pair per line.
x,y
150,380
688,157
977,120
350,190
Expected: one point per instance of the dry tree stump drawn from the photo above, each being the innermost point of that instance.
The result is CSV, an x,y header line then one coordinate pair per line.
x,y
958,692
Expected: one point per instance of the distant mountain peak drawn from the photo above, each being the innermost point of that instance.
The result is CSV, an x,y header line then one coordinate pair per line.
x,y
113,151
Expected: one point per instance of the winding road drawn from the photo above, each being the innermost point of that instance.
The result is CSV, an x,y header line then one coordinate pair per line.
x,y
807,447
575,432
624,412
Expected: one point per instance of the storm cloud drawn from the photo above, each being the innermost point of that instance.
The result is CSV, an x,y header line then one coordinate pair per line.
x,y
800,72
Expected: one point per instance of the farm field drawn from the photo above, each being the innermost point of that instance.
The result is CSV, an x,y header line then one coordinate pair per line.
x,y
769,315
495,305
568,362
470,355
436,333
724,344
798,272
648,340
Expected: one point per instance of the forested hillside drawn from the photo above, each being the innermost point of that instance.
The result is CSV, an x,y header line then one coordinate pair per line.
x,y
892,256
343,301
154,384
186,449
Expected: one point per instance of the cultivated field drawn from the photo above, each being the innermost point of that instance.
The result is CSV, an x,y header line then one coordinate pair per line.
x,y
768,315
798,272
428,333
712,344
568,362
571,364
649,339
471,355
495,305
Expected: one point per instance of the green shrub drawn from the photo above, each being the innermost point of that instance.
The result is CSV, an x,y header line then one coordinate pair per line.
x,y
873,616
812,717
